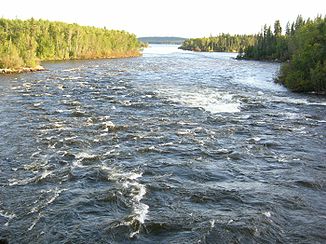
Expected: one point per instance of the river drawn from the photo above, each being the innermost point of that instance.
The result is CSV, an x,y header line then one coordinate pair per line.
x,y
171,147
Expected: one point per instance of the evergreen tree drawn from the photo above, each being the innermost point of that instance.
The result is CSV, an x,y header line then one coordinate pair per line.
x,y
303,45
306,71
277,28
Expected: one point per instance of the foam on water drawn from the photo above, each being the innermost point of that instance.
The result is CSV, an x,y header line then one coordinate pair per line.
x,y
35,221
137,191
82,156
7,215
211,101
267,214
56,192
72,69
85,155
298,101
60,87
260,83
108,125
70,78
212,222
168,169
41,176
38,104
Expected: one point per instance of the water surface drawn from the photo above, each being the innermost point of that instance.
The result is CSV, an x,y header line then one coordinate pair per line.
x,y
171,147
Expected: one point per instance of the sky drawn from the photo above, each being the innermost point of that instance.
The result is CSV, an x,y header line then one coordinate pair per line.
x,y
183,18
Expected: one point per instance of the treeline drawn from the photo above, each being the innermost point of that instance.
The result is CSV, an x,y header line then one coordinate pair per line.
x,y
271,44
26,43
303,46
220,43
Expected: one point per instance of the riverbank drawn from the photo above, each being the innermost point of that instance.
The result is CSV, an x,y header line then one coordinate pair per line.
x,y
22,70
129,54
52,40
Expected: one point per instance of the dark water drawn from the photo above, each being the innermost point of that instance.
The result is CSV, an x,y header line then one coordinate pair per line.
x,y
171,147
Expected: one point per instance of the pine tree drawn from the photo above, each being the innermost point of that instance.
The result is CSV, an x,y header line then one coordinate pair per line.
x,y
277,28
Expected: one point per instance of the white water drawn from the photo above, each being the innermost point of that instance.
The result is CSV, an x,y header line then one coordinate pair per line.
x,y
211,100
149,155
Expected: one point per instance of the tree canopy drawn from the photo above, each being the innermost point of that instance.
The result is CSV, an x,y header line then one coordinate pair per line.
x,y
271,44
220,43
25,43
306,69
303,47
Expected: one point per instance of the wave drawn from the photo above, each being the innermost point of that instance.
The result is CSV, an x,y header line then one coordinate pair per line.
x,y
72,69
70,78
35,179
7,215
297,101
83,158
212,101
54,194
262,84
137,191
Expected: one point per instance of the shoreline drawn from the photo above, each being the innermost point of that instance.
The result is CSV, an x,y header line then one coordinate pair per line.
x,y
41,68
113,56
202,51
22,70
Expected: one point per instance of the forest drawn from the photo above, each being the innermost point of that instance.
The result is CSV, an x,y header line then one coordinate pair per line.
x,y
302,48
220,43
26,43
271,44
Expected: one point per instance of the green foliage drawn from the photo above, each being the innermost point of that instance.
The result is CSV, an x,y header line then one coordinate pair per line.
x,y
28,42
9,56
303,47
269,45
221,43
272,45
277,28
306,70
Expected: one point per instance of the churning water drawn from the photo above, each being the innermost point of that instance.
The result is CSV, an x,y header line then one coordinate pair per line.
x,y
171,147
